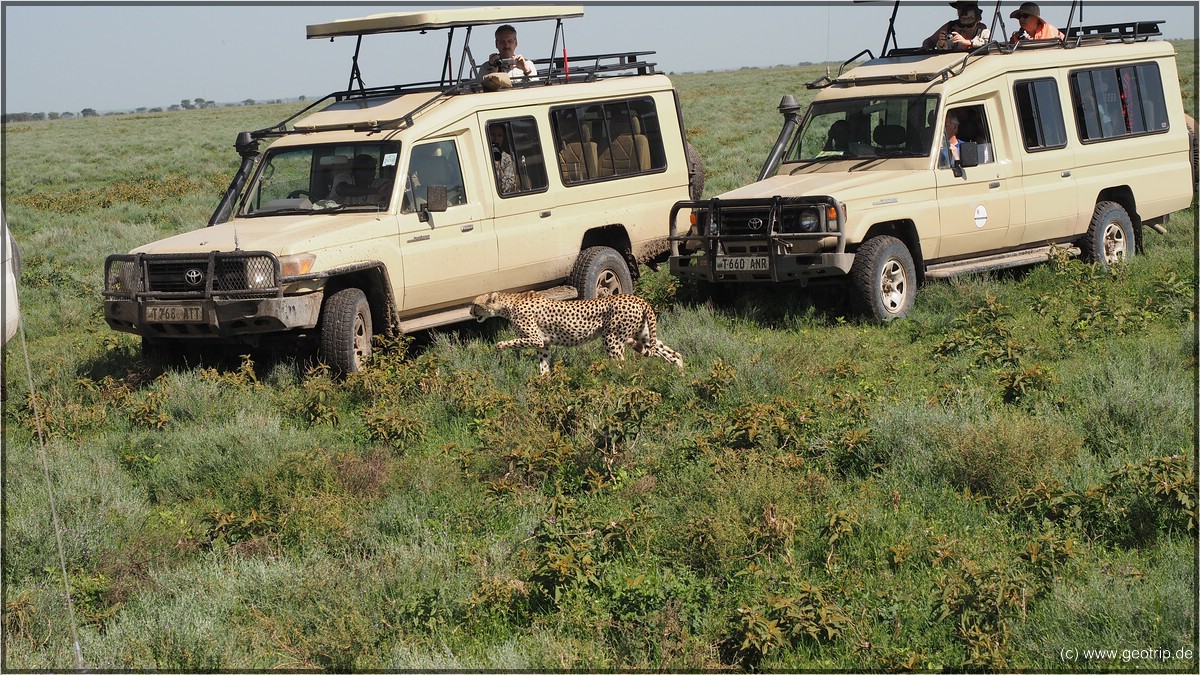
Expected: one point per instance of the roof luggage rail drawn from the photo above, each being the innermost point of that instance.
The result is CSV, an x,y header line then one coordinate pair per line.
x,y
1133,31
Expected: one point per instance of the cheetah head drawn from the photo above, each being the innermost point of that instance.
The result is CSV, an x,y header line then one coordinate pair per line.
x,y
486,306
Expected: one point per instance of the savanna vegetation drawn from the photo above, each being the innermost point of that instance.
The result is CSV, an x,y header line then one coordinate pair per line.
x,y
1002,481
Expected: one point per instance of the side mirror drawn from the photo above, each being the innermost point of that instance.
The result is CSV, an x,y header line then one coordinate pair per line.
x,y
968,154
435,202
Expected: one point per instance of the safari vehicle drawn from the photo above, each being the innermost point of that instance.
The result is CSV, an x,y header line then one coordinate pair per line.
x,y
382,209
1078,144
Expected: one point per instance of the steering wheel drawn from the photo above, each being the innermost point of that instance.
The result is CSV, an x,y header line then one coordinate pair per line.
x,y
297,193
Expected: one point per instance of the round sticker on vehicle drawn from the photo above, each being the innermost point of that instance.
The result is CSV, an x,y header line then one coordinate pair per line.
x,y
980,216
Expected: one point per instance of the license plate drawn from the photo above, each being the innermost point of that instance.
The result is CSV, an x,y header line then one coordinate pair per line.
x,y
743,264
174,314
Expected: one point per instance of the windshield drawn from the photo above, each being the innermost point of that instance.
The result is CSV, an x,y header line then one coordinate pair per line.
x,y
900,126
354,176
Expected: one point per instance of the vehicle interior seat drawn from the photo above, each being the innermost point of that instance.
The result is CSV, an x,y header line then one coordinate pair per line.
x,y
629,151
578,158
890,136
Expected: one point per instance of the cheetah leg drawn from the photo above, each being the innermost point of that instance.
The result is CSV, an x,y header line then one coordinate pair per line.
x,y
544,365
666,353
615,347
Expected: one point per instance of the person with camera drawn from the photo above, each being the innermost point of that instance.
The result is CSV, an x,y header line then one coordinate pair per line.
x,y
1033,26
965,32
505,60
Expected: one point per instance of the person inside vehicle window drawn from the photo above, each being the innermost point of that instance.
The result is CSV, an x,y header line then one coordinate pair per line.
x,y
363,188
965,32
838,142
502,160
951,130
505,59
1033,26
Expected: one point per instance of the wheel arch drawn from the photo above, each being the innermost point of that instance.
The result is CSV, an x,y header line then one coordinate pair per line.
x,y
616,237
1123,195
906,231
374,282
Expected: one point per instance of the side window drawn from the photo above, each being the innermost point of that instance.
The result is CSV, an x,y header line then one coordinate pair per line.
x,y
518,164
966,124
1117,102
615,139
1041,116
434,163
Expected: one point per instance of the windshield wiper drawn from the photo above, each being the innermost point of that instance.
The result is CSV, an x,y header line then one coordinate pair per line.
x,y
829,158
278,212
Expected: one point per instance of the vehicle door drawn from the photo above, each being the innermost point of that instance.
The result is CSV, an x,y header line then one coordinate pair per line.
x,y
976,207
533,246
1046,163
448,257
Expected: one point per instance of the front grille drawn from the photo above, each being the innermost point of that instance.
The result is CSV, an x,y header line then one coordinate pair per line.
x,y
766,221
219,274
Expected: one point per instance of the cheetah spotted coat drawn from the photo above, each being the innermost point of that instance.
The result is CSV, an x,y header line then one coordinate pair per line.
x,y
540,322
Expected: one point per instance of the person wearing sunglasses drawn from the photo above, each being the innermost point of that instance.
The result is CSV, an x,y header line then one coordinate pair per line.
x,y
965,32
1033,26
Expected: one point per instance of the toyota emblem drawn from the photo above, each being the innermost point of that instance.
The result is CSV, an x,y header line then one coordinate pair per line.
x,y
194,277
755,223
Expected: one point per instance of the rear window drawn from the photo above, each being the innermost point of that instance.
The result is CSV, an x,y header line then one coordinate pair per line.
x,y
1118,102
609,140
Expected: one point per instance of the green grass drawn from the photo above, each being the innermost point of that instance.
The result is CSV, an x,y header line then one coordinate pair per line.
x,y
1006,474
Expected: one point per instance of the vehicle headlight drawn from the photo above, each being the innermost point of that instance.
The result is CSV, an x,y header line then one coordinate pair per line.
x,y
297,264
809,222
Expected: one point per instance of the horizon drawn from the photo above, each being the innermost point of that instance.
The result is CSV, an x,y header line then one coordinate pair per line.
x,y
245,44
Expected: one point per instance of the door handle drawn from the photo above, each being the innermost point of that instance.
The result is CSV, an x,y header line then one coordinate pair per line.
x,y
544,214
1066,174
993,185
468,227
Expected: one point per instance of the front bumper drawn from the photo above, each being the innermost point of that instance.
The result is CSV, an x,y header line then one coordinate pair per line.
x,y
214,318
760,240
214,295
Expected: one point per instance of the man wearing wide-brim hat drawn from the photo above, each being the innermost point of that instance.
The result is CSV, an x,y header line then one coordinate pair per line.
x,y
965,32
1033,26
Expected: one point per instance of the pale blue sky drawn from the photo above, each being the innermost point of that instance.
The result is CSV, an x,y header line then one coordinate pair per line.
x,y
63,58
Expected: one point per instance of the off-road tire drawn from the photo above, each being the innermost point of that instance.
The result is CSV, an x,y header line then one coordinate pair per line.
x,y
600,271
345,331
1110,236
695,173
884,279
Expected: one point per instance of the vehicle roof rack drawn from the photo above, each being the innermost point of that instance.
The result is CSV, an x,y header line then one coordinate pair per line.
x,y
1133,31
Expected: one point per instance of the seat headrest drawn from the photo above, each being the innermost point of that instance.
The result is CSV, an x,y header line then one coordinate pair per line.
x,y
889,134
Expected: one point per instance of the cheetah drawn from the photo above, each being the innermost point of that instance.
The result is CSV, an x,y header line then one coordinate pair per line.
x,y
540,322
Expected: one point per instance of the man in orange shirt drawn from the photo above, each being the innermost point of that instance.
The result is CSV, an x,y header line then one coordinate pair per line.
x,y
1033,26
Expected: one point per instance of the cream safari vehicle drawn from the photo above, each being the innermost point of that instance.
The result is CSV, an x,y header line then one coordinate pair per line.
x,y
1080,144
388,209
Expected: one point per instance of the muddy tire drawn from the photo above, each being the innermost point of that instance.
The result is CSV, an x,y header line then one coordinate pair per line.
x,y
601,271
884,279
345,330
1110,237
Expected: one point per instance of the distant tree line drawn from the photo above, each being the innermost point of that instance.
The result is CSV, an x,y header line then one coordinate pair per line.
x,y
185,104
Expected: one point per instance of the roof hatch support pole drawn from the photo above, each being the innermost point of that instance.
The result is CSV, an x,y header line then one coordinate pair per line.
x,y
466,56
447,62
558,31
1071,19
891,34
355,74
